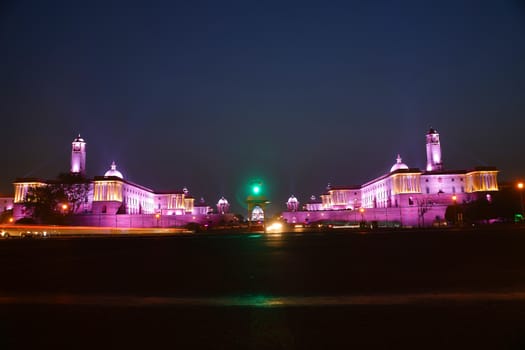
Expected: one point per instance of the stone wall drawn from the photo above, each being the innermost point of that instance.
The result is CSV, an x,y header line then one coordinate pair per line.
x,y
405,216
147,220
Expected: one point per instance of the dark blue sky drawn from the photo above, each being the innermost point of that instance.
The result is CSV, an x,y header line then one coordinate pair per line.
x,y
209,94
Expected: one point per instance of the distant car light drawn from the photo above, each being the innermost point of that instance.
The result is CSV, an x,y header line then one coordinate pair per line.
x,y
274,227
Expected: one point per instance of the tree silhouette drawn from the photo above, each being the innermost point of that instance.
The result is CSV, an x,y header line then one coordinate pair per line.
x,y
45,202
76,189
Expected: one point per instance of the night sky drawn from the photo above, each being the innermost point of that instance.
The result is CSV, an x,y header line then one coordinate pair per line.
x,y
212,94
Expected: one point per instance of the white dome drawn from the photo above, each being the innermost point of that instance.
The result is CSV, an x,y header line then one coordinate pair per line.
x,y
222,201
113,171
399,164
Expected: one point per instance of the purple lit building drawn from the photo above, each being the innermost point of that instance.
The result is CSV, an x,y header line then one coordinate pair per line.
x,y
6,203
403,196
114,201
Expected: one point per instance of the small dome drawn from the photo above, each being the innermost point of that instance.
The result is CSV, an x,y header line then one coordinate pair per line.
x,y
399,164
223,206
313,199
292,204
113,171
222,201
201,203
431,131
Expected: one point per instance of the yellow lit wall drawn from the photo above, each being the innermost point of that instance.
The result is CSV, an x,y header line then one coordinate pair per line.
x,y
406,183
21,189
327,201
342,196
176,201
188,204
482,181
107,191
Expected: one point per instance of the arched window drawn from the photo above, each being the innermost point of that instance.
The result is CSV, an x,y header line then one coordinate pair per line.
x,y
257,214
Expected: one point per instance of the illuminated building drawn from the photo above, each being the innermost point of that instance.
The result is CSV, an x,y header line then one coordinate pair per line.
x,y
6,203
408,196
111,198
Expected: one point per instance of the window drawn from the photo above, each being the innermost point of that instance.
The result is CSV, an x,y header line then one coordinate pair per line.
x,y
428,190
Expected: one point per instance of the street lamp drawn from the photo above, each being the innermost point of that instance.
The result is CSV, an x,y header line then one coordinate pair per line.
x,y
362,211
520,188
454,200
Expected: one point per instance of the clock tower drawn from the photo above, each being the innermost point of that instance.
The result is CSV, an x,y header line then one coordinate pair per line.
x,y
434,162
78,156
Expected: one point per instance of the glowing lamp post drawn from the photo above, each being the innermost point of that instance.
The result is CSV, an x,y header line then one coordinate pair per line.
x,y
454,200
64,208
520,188
362,211
256,202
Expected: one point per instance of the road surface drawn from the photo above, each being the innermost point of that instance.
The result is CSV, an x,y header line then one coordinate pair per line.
x,y
399,289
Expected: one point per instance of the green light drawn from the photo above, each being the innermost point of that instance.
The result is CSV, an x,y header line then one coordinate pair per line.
x,y
256,189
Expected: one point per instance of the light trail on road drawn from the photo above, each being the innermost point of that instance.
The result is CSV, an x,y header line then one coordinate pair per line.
x,y
263,300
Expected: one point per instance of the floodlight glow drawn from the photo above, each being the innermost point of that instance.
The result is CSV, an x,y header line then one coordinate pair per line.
x,y
274,227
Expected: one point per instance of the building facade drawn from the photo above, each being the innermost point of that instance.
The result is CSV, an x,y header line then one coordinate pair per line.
x,y
408,196
111,195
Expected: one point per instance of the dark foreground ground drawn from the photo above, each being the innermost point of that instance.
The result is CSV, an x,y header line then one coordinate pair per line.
x,y
414,289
